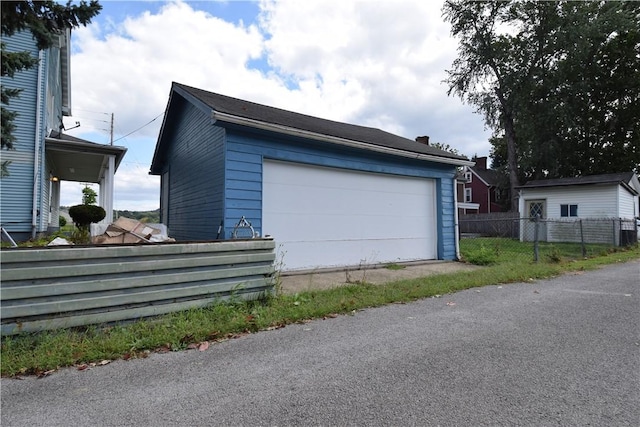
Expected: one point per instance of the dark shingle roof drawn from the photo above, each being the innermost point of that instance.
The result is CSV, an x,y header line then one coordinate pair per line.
x,y
611,178
271,115
490,176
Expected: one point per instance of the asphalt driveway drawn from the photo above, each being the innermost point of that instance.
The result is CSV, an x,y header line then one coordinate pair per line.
x,y
559,352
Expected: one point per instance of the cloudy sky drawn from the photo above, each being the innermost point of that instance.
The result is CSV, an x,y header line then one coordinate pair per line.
x,y
373,63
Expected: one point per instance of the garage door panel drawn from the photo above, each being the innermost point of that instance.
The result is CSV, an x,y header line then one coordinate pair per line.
x,y
309,227
325,217
295,255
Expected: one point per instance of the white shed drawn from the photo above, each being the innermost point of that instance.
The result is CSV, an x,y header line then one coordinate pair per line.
x,y
610,196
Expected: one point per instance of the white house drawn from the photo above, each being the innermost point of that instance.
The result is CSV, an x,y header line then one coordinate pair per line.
x,y
565,200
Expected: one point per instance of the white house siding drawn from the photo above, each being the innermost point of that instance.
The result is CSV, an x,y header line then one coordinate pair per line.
x,y
628,203
594,202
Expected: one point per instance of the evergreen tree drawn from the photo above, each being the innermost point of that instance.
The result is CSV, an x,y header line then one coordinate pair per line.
x,y
45,20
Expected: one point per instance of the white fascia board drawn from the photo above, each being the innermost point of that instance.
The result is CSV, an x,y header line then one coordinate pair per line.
x,y
65,69
480,178
223,117
468,205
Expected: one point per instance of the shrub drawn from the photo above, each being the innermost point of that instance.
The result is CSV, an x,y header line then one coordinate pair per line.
x,y
62,221
83,215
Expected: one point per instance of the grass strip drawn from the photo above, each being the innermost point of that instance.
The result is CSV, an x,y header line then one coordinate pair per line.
x,y
40,353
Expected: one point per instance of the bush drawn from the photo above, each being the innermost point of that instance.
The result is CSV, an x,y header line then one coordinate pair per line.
x,y
83,215
62,221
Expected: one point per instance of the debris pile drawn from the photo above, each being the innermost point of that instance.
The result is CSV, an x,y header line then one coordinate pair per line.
x,y
127,230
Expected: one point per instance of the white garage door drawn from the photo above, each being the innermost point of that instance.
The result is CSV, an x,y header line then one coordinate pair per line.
x,y
329,217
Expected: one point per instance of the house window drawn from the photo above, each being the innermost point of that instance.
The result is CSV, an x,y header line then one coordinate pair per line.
x,y
467,195
467,176
568,210
536,210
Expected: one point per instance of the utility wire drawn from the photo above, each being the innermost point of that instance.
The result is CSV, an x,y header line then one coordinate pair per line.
x,y
146,124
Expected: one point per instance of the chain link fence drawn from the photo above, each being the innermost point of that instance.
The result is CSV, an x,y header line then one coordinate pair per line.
x,y
490,237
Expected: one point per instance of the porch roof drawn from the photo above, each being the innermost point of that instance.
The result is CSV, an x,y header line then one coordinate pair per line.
x,y
75,159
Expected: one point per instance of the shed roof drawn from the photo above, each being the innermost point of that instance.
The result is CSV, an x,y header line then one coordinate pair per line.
x,y
627,179
226,108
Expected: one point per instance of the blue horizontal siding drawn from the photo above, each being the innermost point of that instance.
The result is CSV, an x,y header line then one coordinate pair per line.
x,y
16,190
195,162
245,152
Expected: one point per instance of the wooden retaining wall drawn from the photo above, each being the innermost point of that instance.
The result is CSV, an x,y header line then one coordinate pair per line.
x,y
62,287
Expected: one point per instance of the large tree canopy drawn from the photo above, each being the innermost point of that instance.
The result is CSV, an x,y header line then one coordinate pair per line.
x,y
558,82
45,20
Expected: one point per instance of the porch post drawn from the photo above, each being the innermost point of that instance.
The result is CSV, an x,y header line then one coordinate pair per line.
x,y
54,205
106,190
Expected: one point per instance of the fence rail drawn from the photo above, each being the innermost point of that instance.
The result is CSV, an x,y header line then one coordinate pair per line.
x,y
61,287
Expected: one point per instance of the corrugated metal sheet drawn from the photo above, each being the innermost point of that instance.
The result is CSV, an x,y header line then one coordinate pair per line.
x,y
62,287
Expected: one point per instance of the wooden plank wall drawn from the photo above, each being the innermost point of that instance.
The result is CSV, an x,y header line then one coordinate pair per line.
x,y
62,287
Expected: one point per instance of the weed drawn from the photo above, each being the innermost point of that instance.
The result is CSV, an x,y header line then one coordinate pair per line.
x,y
394,266
482,256
554,255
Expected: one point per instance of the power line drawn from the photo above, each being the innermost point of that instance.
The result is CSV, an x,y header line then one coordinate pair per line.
x,y
146,124
89,111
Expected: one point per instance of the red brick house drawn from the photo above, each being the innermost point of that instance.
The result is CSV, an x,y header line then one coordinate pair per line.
x,y
463,206
481,186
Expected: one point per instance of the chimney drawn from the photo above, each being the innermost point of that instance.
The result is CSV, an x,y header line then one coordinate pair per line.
x,y
422,140
481,162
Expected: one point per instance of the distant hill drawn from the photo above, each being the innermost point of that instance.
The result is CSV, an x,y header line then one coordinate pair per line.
x,y
152,217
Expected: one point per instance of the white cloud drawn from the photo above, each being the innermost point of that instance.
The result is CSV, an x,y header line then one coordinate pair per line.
x,y
375,63
130,69
135,189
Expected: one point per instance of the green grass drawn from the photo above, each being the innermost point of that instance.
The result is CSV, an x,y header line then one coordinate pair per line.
x,y
496,250
41,352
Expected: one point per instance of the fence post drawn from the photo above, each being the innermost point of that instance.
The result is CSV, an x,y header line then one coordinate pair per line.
x,y
536,222
584,249
620,232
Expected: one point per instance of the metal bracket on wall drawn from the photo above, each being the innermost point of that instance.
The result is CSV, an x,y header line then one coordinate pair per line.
x,y
243,230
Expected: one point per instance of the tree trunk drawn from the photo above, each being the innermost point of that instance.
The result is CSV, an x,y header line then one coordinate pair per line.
x,y
512,159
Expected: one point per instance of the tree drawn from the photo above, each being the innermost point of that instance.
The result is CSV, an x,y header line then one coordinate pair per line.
x,y
45,20
446,147
558,82
89,196
501,45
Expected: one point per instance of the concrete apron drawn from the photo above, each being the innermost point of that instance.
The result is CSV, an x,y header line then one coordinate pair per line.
x,y
308,280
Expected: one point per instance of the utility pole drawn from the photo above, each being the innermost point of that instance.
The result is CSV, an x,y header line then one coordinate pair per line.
x,y
111,128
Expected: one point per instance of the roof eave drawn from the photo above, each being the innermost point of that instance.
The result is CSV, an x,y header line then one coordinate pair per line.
x,y
229,118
